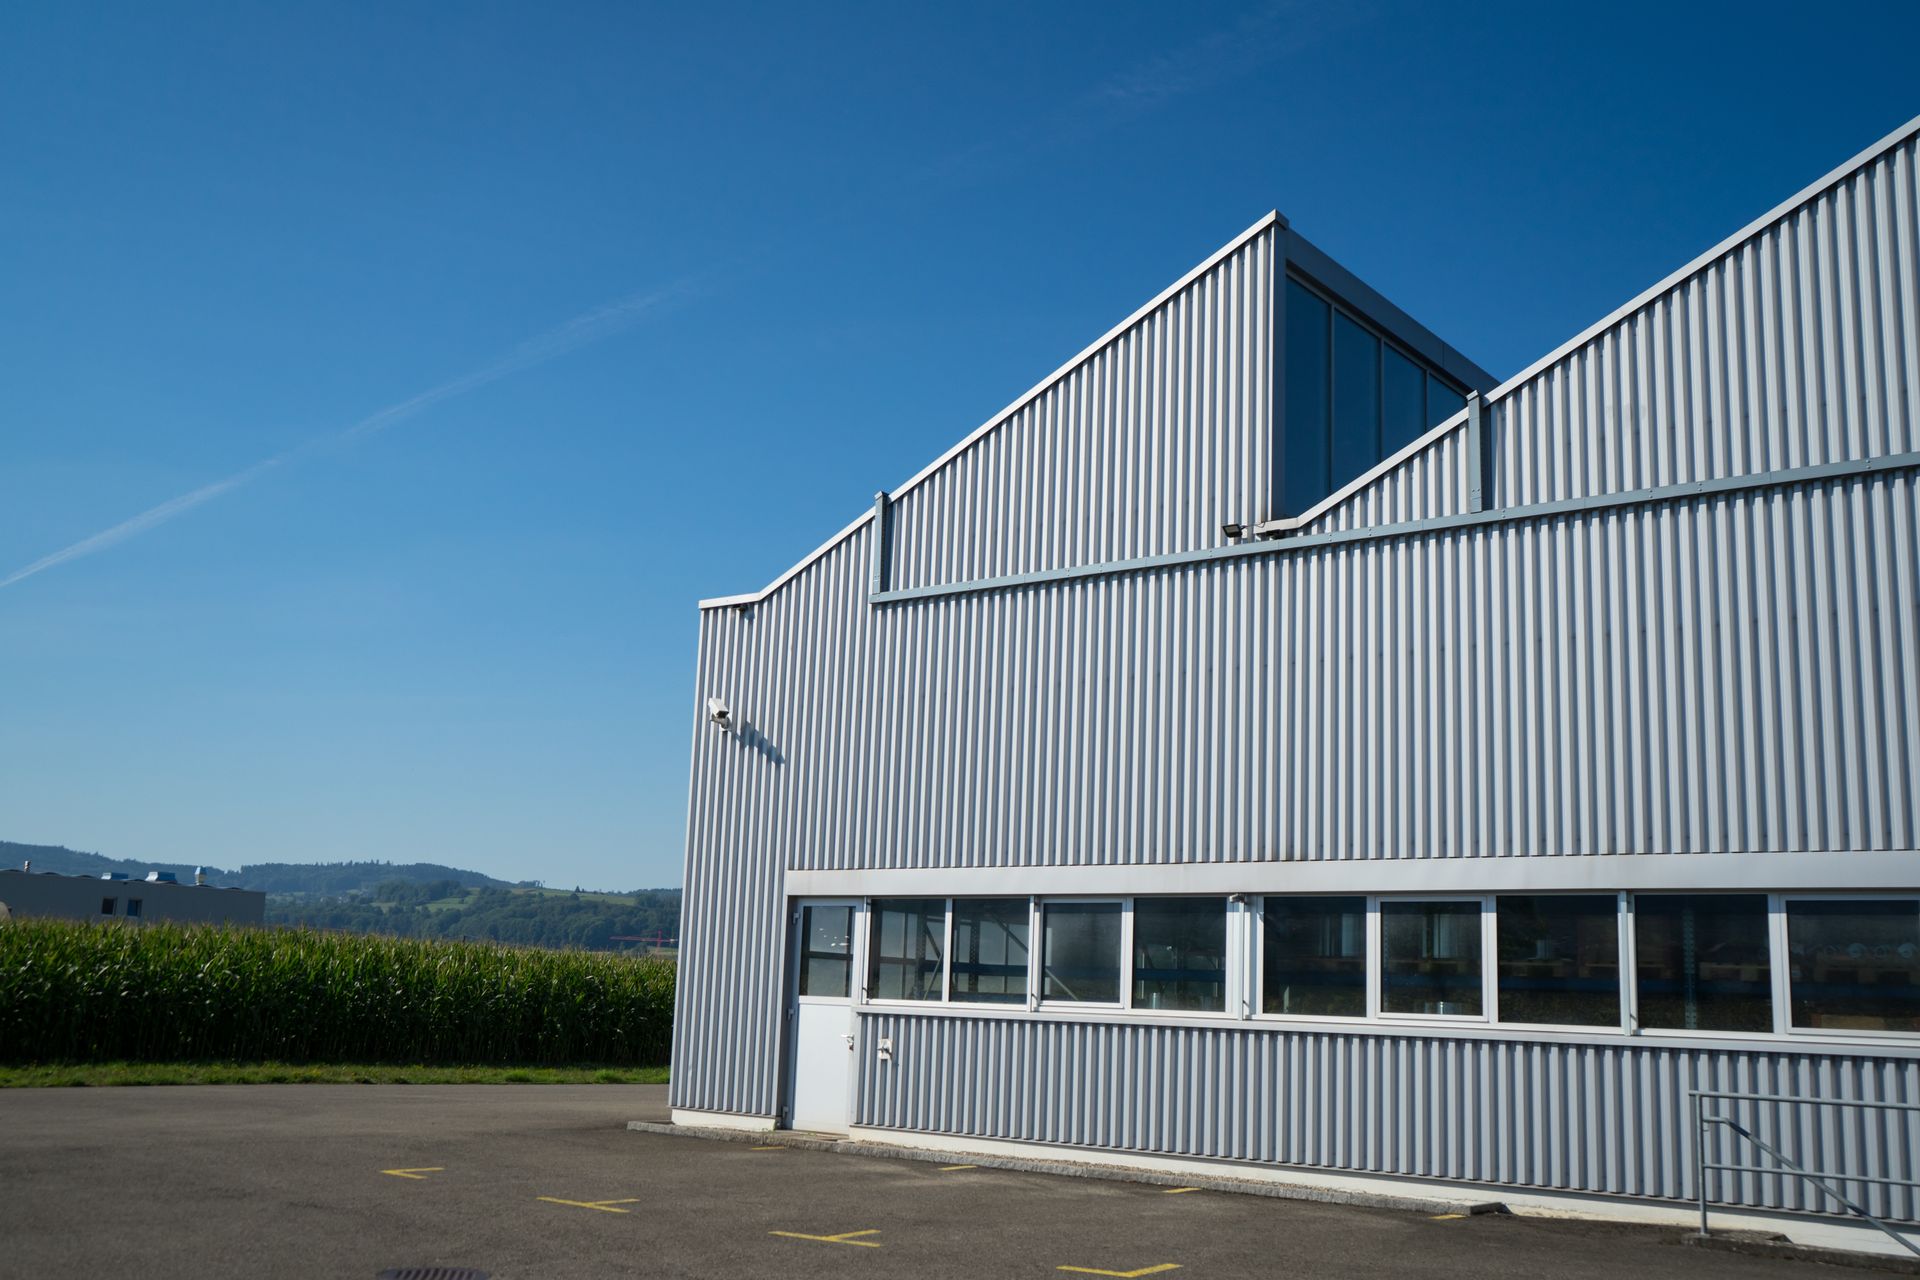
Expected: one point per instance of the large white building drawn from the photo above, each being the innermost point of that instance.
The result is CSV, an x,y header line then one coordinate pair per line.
x,y
1270,741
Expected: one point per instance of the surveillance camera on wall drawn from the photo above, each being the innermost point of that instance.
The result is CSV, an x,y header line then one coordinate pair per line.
x,y
718,713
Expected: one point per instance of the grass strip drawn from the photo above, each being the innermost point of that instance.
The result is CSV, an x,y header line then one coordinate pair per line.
x,y
67,1075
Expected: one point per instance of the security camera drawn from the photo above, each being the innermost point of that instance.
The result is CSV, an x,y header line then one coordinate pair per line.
x,y
718,713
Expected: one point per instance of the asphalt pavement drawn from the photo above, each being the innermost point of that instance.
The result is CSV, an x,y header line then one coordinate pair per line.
x,y
545,1182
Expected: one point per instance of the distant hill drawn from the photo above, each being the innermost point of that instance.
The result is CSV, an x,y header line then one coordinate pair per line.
x,y
325,879
411,900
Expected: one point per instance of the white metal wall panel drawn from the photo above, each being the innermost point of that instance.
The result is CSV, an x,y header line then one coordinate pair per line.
x,y
1146,446
1590,1118
1730,674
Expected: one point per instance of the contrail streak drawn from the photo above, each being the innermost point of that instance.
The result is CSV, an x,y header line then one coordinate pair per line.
x,y
578,332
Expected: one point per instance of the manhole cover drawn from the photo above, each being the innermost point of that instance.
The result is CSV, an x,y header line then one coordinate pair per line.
x,y
432,1273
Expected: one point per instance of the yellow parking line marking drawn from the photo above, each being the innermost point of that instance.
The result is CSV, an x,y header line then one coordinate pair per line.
x,y
1179,1191
604,1206
1143,1271
845,1237
955,1168
775,1147
1447,1217
418,1175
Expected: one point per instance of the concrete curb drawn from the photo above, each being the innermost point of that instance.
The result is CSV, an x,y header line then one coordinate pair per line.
x,y
1757,1245
1072,1169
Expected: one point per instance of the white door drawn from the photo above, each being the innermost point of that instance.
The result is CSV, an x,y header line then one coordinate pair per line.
x,y
820,1073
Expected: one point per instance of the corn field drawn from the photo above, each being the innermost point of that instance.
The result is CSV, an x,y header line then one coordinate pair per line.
x,y
73,991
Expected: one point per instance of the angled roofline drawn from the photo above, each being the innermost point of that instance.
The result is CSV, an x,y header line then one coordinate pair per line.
x,y
1272,219
1283,526
1805,195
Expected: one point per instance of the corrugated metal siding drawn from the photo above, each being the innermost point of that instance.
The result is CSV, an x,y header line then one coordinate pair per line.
x,y
1797,348
1429,484
1147,446
1728,674
1610,1119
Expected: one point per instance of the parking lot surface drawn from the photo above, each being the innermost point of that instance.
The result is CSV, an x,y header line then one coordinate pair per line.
x,y
546,1183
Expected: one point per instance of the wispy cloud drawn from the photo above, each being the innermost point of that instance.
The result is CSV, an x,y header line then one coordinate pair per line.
x,y
1214,58
584,329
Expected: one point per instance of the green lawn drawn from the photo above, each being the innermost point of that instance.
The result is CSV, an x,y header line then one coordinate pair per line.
x,y
146,1073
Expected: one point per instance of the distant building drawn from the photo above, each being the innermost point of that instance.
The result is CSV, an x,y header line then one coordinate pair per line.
x,y
116,897
1269,741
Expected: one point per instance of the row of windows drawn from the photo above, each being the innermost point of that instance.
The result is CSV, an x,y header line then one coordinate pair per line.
x,y
1351,398
1693,962
108,905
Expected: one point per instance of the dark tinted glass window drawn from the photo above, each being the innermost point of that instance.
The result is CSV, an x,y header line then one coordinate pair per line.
x,y
904,949
826,951
1403,402
1314,957
1442,401
106,906
1080,952
1854,966
1356,399
133,906
990,950
1701,961
1560,960
1309,399
1180,953
1430,958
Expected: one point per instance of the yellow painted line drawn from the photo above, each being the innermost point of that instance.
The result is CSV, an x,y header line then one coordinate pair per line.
x,y
415,1174
1447,1217
1143,1271
845,1237
955,1168
772,1148
604,1206
1179,1191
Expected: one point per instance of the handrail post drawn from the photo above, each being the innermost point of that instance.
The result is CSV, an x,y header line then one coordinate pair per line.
x,y
1700,1157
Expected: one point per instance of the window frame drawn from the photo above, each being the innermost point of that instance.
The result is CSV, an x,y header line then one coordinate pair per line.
x,y
1369,925
855,927
946,952
1377,1004
1038,989
1227,951
946,985
1627,976
1775,967
1778,905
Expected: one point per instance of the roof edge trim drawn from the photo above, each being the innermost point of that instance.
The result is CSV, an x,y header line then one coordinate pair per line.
x,y
1270,220
1778,213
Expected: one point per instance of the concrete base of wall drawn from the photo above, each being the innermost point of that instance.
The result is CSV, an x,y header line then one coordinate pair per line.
x,y
723,1120
1775,1234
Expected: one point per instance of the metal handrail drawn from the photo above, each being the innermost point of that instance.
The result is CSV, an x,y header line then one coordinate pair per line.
x,y
1696,1099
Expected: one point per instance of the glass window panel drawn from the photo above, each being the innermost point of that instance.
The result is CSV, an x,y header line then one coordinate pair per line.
x,y
1430,958
1403,411
1180,953
1314,957
1701,961
106,906
1080,952
1854,965
1442,401
907,937
1356,399
826,951
133,906
990,950
1559,959
1305,477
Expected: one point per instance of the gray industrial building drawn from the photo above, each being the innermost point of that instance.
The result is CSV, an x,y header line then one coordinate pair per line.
x,y
1269,742
160,896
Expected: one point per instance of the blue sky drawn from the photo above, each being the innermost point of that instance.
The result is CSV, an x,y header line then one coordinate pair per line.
x,y
549,320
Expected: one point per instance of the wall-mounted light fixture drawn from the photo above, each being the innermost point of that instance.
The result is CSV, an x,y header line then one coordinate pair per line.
x,y
1233,529
717,712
